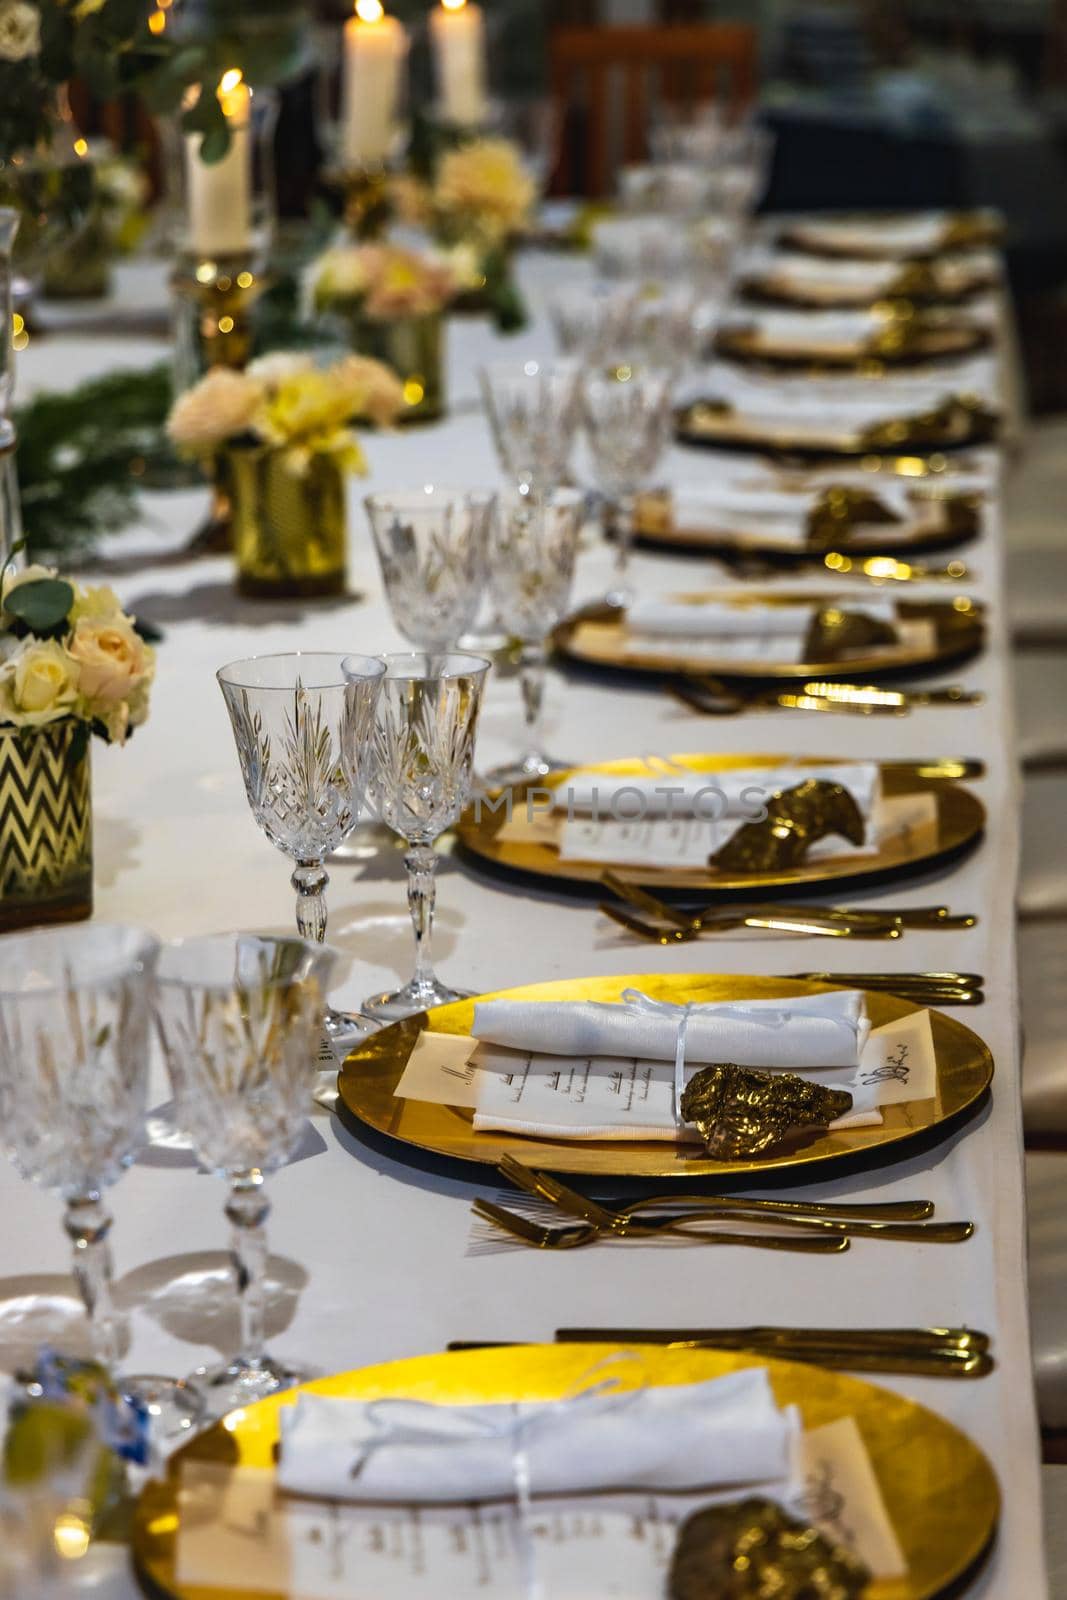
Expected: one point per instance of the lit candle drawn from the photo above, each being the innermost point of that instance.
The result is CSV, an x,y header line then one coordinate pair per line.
x,y
458,33
375,51
220,194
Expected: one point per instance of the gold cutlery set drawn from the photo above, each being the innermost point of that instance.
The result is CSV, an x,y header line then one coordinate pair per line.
x,y
715,697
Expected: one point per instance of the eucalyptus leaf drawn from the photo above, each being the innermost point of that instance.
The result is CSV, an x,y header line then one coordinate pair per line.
x,y
214,144
43,604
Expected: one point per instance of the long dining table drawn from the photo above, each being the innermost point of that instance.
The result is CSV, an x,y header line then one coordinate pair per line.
x,y
372,1255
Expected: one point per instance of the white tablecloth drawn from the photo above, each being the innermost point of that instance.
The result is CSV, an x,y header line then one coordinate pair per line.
x,y
370,1255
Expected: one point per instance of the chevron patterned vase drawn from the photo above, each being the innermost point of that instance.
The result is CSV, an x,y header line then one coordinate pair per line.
x,y
46,825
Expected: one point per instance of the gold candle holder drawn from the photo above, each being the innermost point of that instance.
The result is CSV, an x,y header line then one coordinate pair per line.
x,y
365,200
213,306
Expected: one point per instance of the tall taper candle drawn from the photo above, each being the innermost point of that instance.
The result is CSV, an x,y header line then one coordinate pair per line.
x,y
220,193
457,30
375,52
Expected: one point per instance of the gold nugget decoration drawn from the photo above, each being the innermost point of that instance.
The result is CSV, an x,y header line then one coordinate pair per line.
x,y
741,1111
795,819
832,631
959,419
839,509
753,1550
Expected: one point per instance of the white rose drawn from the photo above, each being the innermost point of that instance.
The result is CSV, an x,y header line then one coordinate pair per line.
x,y
20,30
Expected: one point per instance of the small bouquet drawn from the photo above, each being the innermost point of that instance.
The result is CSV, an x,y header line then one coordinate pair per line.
x,y
478,201
286,402
69,651
381,282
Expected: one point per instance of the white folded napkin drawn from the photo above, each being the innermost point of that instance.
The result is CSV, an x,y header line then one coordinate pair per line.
x,y
893,236
841,401
737,792
824,1030
685,1437
807,327
676,617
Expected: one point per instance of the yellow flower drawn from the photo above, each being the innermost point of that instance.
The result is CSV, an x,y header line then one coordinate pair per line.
x,y
308,414
383,280
99,604
485,185
39,684
214,410
115,666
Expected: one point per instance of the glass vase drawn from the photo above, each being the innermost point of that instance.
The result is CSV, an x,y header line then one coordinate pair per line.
x,y
289,527
414,348
46,824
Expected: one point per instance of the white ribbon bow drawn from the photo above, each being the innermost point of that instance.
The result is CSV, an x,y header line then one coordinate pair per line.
x,y
643,1005
400,1423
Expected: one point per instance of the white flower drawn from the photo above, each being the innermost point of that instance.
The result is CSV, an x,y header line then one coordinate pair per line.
x,y
20,30
273,369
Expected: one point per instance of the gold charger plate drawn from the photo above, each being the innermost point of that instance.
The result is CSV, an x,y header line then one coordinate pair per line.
x,y
841,236
602,640
948,281
953,424
897,345
942,518
939,1490
960,820
368,1080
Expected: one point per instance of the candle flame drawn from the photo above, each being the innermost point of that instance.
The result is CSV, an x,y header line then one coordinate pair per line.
x,y
230,79
453,5
370,10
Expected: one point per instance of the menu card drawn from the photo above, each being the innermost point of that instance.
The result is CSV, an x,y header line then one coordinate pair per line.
x,y
238,1533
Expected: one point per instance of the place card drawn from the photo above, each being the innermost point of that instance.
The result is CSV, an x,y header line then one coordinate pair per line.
x,y
900,822
237,1533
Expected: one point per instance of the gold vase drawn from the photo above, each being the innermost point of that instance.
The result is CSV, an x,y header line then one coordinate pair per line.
x,y
289,528
46,824
414,348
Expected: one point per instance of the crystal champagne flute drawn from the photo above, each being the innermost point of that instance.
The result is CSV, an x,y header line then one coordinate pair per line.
x,y
303,729
239,1016
533,549
420,782
75,1005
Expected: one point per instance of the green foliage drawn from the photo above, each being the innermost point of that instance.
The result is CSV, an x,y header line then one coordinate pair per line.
x,y
83,454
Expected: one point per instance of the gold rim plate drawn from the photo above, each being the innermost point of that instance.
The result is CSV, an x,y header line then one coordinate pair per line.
x,y
705,424
602,641
368,1080
943,520
841,237
960,820
945,341
939,1489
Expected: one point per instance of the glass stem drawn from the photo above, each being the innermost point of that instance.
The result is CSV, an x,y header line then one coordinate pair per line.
x,y
533,662
421,862
310,880
88,1223
247,1210
624,534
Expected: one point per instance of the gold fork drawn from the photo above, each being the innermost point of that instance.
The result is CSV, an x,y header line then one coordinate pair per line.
x,y
927,917
570,1236
794,922
546,1187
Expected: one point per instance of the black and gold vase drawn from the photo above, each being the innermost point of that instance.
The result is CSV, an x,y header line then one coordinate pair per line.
x,y
46,824
289,527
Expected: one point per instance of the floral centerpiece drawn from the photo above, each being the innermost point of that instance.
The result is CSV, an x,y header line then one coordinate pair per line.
x,y
71,664
479,199
80,267
392,300
280,436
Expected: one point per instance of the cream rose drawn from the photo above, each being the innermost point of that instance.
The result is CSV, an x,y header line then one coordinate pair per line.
x,y
112,658
220,406
41,683
20,30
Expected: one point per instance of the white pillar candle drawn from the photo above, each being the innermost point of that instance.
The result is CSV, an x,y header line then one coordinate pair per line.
x,y
375,51
220,193
457,30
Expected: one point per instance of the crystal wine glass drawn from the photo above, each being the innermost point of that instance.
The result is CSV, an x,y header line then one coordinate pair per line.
x,y
419,783
533,547
303,728
431,545
239,1016
533,409
75,1005
591,319
628,420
